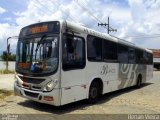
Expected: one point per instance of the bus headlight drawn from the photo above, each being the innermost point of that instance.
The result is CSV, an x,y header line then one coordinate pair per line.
x,y
49,86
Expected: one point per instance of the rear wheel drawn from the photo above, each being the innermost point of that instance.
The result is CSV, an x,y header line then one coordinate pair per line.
x,y
94,92
139,81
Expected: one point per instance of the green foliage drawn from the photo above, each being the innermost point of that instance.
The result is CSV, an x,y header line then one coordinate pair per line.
x,y
7,71
5,93
10,57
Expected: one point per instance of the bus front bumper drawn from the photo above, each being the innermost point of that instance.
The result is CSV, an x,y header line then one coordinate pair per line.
x,y
51,98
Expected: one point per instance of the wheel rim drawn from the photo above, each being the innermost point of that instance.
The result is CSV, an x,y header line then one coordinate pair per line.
x,y
94,92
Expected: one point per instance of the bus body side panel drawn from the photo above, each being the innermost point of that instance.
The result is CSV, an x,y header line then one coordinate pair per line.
x,y
142,70
73,85
128,74
107,72
93,71
149,74
116,76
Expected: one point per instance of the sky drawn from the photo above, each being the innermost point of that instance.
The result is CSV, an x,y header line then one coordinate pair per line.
x,y
136,21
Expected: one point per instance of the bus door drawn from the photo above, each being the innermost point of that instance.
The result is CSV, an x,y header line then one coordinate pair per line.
x,y
73,81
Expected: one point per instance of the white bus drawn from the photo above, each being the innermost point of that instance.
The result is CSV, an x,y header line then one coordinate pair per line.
x,y
59,62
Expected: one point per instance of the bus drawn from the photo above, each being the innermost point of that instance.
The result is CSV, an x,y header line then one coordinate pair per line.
x,y
156,58
60,62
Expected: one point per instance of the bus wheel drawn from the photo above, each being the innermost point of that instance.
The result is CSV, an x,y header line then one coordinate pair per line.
x,y
94,92
139,81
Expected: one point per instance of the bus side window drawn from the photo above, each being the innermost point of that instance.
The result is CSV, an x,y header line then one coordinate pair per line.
x,y
122,53
145,57
139,56
150,58
73,55
109,51
131,55
94,48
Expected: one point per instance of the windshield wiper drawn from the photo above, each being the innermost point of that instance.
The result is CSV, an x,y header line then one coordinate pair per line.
x,y
39,43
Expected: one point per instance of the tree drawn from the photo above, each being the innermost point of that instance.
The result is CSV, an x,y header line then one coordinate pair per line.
x,y
11,57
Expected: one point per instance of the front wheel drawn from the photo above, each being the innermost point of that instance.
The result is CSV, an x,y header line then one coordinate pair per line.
x,y
94,92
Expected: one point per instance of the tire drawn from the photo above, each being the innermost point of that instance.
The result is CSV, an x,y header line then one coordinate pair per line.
x,y
94,92
139,82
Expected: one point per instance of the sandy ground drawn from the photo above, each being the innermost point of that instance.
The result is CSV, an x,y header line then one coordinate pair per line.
x,y
6,81
145,100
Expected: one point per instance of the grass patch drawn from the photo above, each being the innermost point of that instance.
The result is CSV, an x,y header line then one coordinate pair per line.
x,y
5,93
7,71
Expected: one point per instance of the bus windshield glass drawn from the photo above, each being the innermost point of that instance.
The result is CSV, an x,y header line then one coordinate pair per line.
x,y
37,55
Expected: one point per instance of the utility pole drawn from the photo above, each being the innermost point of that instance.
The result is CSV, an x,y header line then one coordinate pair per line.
x,y
7,54
109,29
8,47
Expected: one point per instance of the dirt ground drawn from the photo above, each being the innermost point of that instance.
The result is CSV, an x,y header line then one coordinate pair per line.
x,y
145,100
6,81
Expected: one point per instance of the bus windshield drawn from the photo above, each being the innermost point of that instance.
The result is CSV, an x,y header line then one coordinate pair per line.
x,y
37,55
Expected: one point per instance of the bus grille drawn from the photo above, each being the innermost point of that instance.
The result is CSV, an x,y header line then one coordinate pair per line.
x,y
31,80
30,94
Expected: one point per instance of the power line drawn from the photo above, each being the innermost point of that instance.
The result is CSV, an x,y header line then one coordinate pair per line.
x,y
109,29
90,13
142,36
37,6
85,9
145,36
63,10
46,7
69,16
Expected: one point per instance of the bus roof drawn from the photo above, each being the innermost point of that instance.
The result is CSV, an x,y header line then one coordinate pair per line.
x,y
77,27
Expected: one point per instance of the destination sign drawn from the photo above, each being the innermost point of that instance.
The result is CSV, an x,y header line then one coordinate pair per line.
x,y
40,28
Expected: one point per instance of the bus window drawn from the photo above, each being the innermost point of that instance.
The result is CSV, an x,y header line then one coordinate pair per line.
x,y
131,58
73,49
122,53
109,51
139,56
145,57
94,48
150,58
